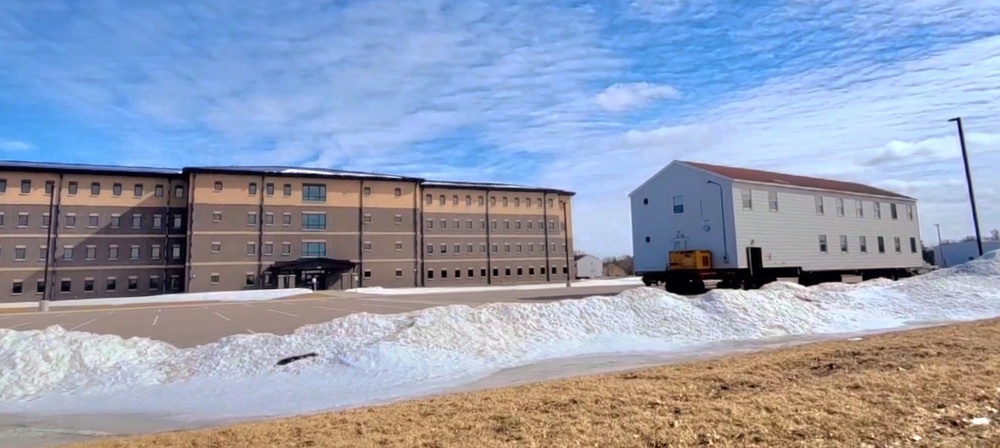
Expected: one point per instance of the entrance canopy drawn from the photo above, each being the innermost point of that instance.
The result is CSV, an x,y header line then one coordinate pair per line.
x,y
326,265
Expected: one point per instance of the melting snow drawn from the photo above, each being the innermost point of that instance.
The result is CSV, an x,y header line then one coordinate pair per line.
x,y
365,358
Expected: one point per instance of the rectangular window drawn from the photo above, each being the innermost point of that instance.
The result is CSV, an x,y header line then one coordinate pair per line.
x,y
65,285
40,287
25,186
175,282
286,219
137,190
399,273
747,196
95,188
113,252
116,221
398,219
134,252
457,248
399,246
178,221
843,244
286,248
46,220
772,201
155,252
268,219
3,185
175,251
314,192
859,208
314,249
909,212
50,186
429,199
269,189
179,191
216,216
136,221
367,219
17,287
397,192
430,273
913,245
313,221
216,247
67,252
822,243
91,252
22,220
840,206
878,210
430,224
93,221
72,188
111,284
88,285
366,246
251,218
819,205
368,191
896,244
504,201
158,191
251,279
116,189
217,186
444,248
286,189
251,248
157,222
470,248
430,248
892,212
881,245
252,189
678,205
154,283
863,242
454,199
268,248
70,220
214,278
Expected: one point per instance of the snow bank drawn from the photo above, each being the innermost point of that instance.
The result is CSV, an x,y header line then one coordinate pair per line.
x,y
625,281
365,357
221,296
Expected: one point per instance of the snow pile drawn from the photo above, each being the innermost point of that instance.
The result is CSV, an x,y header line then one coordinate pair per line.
x,y
364,355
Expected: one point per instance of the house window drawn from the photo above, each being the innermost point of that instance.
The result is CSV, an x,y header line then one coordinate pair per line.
x,y
819,205
822,243
399,273
878,210
216,216
252,189
397,192
859,208
892,212
286,219
268,248
46,220
493,201
313,192
3,185
116,189
216,247
65,285
430,248
178,191
214,278
368,191
457,248
268,219
747,197
881,245
251,248
430,273
116,221
843,244
399,246
840,206
517,202
158,191
896,245
88,285
314,249
134,252
113,252
398,219
72,188
137,190
269,189
314,221
157,221
772,201
286,190
429,199
25,186
95,188
93,221
91,252
218,185
22,220
154,283
111,284
909,212
70,220
175,251
441,200
468,200
286,248
251,218
154,252
444,248
863,242
251,279
50,186
913,245
444,273
504,200
67,252
136,220
482,201
678,205
367,246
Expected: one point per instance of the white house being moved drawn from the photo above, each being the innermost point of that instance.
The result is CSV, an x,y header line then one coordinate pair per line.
x,y
796,225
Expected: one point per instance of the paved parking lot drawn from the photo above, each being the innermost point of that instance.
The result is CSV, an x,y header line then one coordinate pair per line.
x,y
186,325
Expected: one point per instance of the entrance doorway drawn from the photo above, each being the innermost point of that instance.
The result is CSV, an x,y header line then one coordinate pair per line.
x,y
301,273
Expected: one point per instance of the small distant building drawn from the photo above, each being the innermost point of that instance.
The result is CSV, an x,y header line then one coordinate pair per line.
x,y
951,254
588,266
612,269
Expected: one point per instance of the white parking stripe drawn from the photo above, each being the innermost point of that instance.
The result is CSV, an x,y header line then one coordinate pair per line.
x,y
110,313
4,317
221,316
282,312
369,303
17,326
156,318
83,324
337,309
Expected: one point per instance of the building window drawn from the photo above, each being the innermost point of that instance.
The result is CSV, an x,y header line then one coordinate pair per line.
x,y
913,245
493,201
25,186
70,220
251,279
113,252
314,221
678,204
429,199
504,200
863,242
454,199
3,185
878,210
157,221
399,246
430,273
822,243
50,186
175,251
444,248
909,212
251,218
517,202
137,190
444,273
506,247
457,248
116,189
840,206
367,218
398,219
397,192
896,245
368,273
46,220
67,252
65,285
314,249
368,191
470,248
496,272
286,248
747,196
859,209
218,185
88,285
252,189
93,221
116,221
178,221
482,272
40,287
881,245
91,252
286,219
506,272
468,200
214,278
216,247
154,283
111,284
313,192
399,273
268,219
22,220
441,200
286,190
179,191
154,252
444,224
158,191
251,248
134,252
366,246
269,189
95,188
72,188
175,282
136,221
430,248
843,244
819,205
892,212
772,201
17,287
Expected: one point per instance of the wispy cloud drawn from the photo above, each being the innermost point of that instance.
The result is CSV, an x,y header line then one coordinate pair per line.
x,y
579,96
15,146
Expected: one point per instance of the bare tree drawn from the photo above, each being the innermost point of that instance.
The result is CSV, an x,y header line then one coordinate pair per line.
x,y
995,235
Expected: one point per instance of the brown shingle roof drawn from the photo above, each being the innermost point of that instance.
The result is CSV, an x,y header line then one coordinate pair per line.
x,y
769,177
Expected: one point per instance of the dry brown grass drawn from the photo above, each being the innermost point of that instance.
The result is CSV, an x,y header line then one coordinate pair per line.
x,y
916,388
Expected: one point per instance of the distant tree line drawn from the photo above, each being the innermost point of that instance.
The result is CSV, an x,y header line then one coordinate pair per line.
x,y
994,235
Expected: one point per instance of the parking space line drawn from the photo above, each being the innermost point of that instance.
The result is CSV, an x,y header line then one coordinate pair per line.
x,y
4,317
388,306
282,312
110,313
251,331
155,319
83,324
337,309
221,316
17,326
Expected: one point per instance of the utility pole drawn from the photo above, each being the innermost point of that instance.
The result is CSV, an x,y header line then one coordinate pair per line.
x,y
940,247
968,180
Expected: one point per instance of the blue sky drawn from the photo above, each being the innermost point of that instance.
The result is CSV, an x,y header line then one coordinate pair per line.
x,y
589,96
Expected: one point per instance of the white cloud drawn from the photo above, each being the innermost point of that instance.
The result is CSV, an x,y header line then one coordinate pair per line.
x,y
622,96
15,146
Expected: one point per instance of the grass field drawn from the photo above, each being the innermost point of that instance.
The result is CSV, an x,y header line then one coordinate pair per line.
x,y
928,387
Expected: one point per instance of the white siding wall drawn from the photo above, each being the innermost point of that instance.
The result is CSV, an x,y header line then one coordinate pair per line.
x,y
790,236
698,227
589,266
